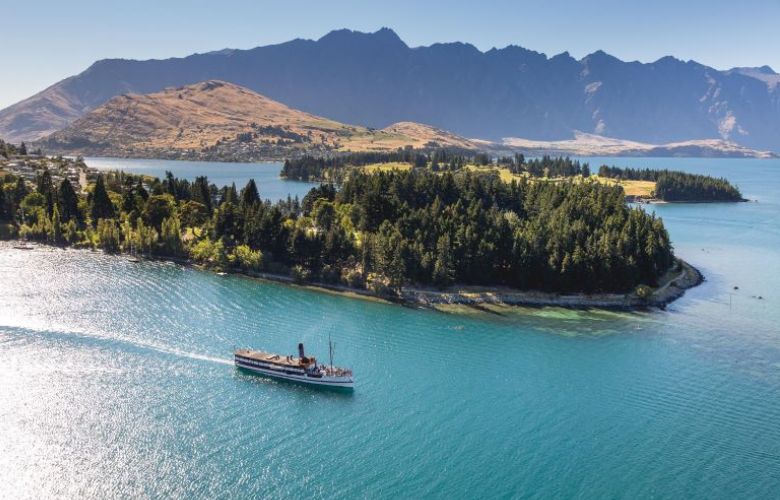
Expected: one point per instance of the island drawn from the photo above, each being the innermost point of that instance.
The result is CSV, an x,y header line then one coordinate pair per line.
x,y
442,233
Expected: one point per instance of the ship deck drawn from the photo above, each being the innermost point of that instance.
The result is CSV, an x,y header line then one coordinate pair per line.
x,y
277,359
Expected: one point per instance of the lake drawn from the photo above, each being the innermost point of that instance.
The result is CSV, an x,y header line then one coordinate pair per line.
x,y
117,380
265,174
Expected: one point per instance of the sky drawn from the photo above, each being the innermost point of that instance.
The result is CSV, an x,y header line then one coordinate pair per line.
x,y
44,41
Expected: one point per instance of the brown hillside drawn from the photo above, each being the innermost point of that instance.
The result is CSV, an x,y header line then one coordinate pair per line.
x,y
216,118
425,134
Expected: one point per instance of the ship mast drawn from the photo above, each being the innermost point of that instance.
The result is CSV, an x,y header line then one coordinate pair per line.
x,y
330,350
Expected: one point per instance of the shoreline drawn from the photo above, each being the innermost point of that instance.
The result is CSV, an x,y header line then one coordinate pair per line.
x,y
673,286
657,201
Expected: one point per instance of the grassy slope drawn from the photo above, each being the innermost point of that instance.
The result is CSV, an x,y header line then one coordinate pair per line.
x,y
385,167
642,189
199,115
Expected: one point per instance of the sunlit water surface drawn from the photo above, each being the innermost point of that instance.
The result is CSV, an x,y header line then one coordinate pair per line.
x,y
116,379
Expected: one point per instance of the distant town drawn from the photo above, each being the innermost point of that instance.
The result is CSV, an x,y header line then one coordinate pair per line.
x,y
17,161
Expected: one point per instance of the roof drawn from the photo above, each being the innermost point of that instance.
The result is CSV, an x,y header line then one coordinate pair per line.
x,y
278,359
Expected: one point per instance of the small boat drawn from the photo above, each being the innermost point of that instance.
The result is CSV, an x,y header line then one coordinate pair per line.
x,y
302,369
23,247
134,260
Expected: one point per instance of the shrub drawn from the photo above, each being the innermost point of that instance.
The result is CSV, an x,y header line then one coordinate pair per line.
x,y
7,231
353,278
108,235
71,232
247,259
300,274
379,284
170,237
644,292
209,252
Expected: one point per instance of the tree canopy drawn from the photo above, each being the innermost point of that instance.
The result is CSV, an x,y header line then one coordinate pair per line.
x,y
386,229
672,185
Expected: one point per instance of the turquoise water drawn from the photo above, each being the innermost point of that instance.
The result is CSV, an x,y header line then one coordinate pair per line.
x,y
117,379
266,174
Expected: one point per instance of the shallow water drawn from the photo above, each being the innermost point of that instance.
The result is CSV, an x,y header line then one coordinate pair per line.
x,y
117,379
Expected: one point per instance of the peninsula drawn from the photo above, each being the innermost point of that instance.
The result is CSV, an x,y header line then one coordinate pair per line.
x,y
405,235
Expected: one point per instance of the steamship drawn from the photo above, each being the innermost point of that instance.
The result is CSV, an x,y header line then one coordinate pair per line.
x,y
301,369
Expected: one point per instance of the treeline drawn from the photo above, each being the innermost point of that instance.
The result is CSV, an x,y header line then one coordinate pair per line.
x,y
546,166
678,186
34,207
381,231
333,169
7,150
630,174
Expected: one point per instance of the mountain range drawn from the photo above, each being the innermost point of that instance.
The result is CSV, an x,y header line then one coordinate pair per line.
x,y
375,80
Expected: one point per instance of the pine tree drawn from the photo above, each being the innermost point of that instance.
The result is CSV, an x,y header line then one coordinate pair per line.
x,y
102,208
46,188
170,184
443,272
56,227
68,201
249,195
201,193
20,191
141,191
230,194
158,208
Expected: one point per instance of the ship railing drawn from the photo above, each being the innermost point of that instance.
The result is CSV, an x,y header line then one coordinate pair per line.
x,y
338,372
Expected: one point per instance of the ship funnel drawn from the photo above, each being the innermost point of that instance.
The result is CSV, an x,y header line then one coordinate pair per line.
x,y
300,351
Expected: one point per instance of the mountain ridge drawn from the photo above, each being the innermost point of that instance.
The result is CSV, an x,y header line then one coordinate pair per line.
x,y
221,120
375,79
584,144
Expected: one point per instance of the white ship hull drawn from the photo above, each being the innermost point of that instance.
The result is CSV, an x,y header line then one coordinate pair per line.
x,y
293,375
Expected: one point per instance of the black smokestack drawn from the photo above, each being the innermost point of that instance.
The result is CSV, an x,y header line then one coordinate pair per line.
x,y
300,351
